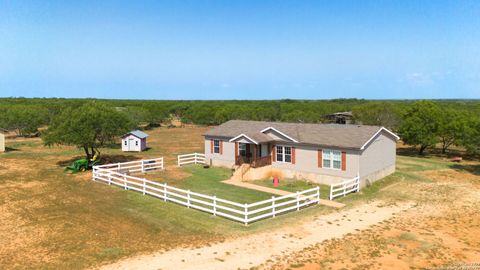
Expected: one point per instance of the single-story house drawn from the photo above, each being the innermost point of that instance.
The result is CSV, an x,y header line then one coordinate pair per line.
x,y
134,141
2,139
322,153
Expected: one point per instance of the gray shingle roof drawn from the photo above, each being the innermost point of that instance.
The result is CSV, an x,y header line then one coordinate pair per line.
x,y
137,133
342,136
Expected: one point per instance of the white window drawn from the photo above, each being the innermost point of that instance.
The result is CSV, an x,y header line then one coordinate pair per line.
x,y
332,159
242,149
216,146
284,154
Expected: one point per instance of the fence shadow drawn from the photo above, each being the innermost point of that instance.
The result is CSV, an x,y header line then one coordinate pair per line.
x,y
471,168
104,159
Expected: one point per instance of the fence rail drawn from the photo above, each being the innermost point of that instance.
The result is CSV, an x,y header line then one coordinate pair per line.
x,y
193,158
134,166
345,187
244,213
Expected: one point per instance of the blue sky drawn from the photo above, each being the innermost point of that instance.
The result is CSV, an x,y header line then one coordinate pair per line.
x,y
240,49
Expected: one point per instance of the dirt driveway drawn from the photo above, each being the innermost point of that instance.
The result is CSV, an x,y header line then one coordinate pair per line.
x,y
254,250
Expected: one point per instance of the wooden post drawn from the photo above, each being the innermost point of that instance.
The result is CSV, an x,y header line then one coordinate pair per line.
x,y
109,179
165,192
125,181
358,182
331,193
298,201
143,166
246,214
144,186
318,195
178,161
273,206
214,205
118,167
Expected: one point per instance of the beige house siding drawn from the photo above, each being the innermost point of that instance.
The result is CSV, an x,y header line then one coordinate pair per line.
x,y
378,159
226,159
306,166
2,142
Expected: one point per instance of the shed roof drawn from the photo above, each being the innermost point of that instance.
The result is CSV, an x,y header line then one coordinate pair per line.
x,y
342,136
137,133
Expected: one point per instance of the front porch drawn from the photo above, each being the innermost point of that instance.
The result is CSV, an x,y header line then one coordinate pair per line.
x,y
253,154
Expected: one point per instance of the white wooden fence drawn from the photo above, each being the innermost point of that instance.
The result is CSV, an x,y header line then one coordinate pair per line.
x,y
345,187
194,158
245,213
133,166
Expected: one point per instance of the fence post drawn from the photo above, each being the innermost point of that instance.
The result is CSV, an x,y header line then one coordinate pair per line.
x,y
93,174
143,166
298,201
358,182
109,178
144,186
344,189
161,162
246,214
214,205
188,198
318,195
165,192
125,181
273,206
118,167
331,193
178,161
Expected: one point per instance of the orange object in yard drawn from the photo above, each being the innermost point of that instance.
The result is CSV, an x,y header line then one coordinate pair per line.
x,y
275,181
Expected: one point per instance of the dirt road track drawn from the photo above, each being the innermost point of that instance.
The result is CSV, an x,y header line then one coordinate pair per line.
x,y
256,249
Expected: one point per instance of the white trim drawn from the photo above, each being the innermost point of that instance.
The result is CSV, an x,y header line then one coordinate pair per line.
x,y
243,135
281,133
378,132
331,159
283,154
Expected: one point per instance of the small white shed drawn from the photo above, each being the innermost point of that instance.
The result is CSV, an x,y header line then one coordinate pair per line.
x,y
135,141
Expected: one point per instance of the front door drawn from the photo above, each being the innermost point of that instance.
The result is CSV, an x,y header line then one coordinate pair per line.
x,y
131,145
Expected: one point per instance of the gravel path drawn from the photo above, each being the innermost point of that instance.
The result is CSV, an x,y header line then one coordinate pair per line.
x,y
256,249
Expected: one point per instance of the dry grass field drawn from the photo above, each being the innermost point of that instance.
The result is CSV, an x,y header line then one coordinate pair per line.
x,y
54,220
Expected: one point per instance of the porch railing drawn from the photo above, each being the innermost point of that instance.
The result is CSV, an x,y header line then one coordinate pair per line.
x,y
254,162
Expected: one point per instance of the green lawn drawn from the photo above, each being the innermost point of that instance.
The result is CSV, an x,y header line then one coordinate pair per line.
x,y
293,185
209,182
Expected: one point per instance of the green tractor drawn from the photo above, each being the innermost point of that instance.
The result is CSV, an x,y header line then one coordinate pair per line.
x,y
83,164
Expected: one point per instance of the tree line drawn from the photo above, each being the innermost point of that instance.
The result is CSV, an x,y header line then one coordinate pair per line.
x,y
424,124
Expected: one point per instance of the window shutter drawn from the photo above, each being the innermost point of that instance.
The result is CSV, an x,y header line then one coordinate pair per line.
x,y
344,161
293,155
320,158
221,147
211,146
274,153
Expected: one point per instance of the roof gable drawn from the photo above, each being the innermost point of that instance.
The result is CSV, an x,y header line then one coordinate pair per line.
x,y
137,133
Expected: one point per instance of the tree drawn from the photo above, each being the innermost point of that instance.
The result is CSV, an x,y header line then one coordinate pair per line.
x,y
88,127
420,125
378,114
471,137
451,127
23,119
